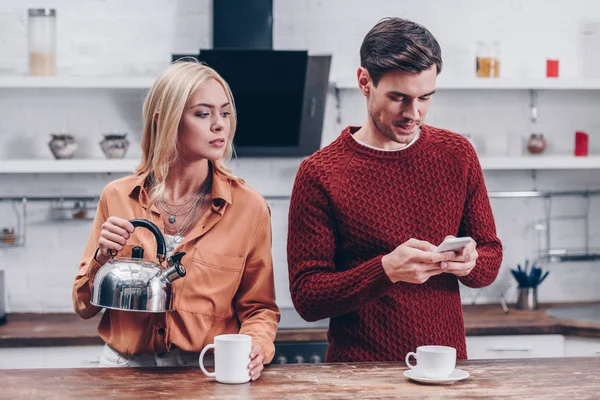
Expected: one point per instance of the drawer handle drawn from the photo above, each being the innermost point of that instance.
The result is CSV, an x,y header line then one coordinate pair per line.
x,y
597,351
523,349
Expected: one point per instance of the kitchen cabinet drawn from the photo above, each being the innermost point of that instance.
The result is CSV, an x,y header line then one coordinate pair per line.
x,y
576,346
50,357
515,346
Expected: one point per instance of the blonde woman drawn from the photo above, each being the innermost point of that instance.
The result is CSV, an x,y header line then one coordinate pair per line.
x,y
223,226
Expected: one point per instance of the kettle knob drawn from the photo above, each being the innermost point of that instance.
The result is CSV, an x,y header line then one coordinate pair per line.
x,y
137,253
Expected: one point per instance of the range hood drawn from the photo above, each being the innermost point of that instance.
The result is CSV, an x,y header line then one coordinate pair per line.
x,y
279,94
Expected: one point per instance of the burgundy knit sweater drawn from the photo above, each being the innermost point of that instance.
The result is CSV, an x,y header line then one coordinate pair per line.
x,y
350,206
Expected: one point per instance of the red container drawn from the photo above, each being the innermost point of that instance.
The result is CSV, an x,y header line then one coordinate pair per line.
x,y
581,144
552,68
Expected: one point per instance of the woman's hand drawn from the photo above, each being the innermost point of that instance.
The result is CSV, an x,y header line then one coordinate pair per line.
x,y
113,236
256,362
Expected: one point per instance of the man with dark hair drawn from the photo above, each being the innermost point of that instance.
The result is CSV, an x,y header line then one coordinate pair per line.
x,y
368,210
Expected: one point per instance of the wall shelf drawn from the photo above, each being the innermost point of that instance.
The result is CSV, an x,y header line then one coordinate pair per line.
x,y
76,82
499,84
68,166
128,165
136,82
542,162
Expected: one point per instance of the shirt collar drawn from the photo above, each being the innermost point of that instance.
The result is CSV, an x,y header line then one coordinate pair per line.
x,y
221,189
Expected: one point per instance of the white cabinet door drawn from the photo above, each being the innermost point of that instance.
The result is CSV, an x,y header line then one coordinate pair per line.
x,y
21,357
50,357
72,356
515,346
576,346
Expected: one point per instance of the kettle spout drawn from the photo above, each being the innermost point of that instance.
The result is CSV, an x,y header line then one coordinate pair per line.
x,y
175,269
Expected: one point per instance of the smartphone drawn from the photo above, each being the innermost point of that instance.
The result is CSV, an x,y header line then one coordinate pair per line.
x,y
453,244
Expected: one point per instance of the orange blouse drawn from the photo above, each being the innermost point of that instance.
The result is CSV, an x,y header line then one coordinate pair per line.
x,y
228,288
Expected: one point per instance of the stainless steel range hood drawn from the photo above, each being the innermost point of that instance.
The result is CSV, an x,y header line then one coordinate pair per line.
x,y
280,95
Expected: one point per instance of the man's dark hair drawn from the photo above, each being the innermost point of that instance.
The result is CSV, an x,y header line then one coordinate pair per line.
x,y
396,43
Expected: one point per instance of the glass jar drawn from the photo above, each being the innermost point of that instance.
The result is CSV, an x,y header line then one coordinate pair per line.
x,y
488,59
537,143
8,235
41,32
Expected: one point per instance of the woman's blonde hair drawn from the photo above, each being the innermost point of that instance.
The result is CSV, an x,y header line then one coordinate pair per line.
x,y
162,111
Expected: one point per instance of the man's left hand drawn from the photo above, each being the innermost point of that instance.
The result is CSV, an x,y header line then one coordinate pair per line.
x,y
256,362
465,261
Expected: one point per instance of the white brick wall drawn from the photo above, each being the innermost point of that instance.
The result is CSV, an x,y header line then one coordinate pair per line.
x,y
137,37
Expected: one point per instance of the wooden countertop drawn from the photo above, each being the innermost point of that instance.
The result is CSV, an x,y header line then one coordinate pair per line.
x,y
577,378
69,329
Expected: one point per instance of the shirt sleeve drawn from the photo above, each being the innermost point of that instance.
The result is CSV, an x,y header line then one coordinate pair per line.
x,y
254,301
318,290
478,223
82,288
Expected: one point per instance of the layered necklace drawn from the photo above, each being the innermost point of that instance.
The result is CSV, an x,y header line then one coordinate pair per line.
x,y
193,207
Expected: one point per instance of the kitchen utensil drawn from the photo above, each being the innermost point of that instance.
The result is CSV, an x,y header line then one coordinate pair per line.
x,y
529,279
433,361
232,356
527,299
135,284
455,376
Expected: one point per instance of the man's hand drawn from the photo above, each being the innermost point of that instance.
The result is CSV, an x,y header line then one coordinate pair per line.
x,y
414,262
465,260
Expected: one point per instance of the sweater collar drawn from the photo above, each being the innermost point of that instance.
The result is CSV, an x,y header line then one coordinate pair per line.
x,y
372,152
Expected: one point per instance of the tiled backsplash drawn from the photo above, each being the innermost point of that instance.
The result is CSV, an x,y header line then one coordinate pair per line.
x,y
39,276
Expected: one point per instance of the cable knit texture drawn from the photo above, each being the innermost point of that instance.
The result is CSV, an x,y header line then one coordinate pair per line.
x,y
351,205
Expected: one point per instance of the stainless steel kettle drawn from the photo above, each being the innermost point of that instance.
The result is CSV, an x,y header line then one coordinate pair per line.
x,y
135,284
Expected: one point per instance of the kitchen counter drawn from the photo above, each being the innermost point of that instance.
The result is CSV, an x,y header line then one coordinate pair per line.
x,y
551,378
23,330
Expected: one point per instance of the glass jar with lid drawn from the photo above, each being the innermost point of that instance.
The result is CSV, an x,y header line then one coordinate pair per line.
x,y
41,38
488,59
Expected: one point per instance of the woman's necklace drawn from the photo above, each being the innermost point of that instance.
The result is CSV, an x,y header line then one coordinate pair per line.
x,y
174,213
195,211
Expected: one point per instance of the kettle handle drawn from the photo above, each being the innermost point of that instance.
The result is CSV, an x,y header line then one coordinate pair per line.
x,y
160,240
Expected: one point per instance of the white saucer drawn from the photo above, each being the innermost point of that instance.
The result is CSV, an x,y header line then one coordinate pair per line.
x,y
455,376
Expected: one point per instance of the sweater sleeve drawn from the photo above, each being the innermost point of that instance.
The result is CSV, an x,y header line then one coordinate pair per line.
x,y
478,222
318,289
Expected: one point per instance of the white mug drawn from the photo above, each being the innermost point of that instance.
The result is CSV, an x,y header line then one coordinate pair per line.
x,y
232,356
433,361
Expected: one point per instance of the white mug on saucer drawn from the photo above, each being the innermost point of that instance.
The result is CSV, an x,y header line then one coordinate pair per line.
x,y
232,356
433,361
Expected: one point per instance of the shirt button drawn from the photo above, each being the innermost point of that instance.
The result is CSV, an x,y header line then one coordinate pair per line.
x,y
161,331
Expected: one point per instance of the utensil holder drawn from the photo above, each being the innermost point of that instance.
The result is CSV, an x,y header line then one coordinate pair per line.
x,y
527,299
